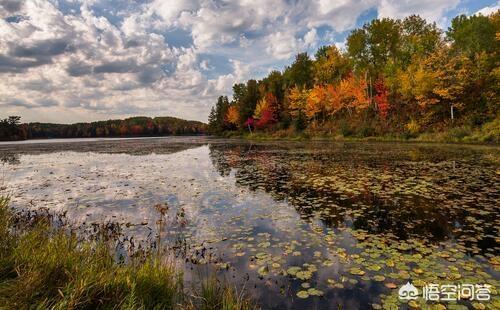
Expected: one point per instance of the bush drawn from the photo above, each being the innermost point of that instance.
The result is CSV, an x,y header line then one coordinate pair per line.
x,y
489,132
412,129
366,131
346,130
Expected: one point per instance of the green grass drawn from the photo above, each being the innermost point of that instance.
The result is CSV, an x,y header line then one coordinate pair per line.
x,y
43,268
489,133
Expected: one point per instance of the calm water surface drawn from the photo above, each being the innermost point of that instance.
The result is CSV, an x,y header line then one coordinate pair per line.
x,y
317,225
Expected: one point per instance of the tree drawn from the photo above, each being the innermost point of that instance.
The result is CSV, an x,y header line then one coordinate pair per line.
x,y
300,72
353,95
321,52
245,99
357,50
266,111
381,98
419,38
274,84
439,80
266,119
473,34
212,121
331,66
298,100
217,119
383,39
316,103
11,129
232,116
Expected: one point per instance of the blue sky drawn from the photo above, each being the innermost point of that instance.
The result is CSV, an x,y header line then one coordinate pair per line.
x,y
68,60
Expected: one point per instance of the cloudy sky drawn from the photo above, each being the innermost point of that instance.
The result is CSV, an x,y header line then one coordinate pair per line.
x,y
69,60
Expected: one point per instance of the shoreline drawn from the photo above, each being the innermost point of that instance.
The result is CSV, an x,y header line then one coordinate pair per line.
x,y
389,139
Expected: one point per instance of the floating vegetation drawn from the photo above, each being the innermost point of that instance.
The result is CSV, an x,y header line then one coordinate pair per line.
x,y
330,224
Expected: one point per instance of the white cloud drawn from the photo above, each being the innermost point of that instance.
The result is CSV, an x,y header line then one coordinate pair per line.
x,y
82,64
431,10
311,38
488,10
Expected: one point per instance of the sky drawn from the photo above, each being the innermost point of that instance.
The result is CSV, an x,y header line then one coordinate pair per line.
x,y
84,60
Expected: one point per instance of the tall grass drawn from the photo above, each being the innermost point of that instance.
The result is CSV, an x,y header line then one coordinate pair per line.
x,y
45,268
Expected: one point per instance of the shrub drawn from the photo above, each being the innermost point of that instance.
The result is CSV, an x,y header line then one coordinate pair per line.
x,y
412,128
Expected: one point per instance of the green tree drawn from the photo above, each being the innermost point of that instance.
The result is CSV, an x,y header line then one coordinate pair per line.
x,y
300,72
357,50
419,38
473,34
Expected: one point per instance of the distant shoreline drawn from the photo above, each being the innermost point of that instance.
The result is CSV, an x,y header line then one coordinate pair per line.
x,y
11,129
93,139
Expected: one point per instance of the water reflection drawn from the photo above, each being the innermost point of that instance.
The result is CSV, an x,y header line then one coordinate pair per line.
x,y
414,191
342,220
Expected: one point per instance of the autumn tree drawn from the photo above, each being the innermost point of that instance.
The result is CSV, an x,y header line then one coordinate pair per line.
x,y
266,111
381,98
353,94
316,103
232,116
330,66
297,99
438,81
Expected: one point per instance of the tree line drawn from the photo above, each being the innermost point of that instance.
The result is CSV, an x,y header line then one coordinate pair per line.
x,y
394,76
12,129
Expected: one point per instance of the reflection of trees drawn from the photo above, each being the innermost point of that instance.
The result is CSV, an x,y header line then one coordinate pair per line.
x,y
288,172
119,146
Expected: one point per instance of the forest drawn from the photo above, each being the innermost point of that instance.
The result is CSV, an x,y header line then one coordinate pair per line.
x,y
401,78
12,129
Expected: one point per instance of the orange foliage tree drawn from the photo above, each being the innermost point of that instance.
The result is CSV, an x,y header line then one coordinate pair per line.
x,y
232,116
353,93
349,95
316,103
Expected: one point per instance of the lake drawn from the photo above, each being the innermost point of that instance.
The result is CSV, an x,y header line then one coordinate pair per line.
x,y
297,224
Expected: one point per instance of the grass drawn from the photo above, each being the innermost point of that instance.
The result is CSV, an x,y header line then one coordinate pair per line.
x,y
489,133
45,268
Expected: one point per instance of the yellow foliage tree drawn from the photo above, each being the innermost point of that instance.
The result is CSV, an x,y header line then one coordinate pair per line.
x,y
268,103
333,66
297,99
439,79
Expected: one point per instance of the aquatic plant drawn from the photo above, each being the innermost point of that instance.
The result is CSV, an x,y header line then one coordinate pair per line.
x,y
45,267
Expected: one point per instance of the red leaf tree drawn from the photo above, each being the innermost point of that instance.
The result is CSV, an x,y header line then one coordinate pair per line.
x,y
381,98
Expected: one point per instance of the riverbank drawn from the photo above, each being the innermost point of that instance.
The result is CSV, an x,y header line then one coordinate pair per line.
x,y
43,267
487,134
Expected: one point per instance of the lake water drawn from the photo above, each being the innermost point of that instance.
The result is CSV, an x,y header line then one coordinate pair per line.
x,y
316,224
